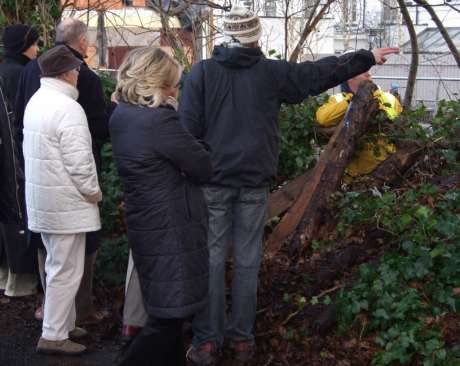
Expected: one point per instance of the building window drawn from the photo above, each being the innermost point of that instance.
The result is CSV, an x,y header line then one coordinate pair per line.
x,y
127,2
270,8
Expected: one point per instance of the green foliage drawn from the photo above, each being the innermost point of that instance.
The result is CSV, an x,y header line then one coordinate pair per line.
x,y
299,144
112,260
446,123
409,287
113,254
43,15
401,299
111,211
108,84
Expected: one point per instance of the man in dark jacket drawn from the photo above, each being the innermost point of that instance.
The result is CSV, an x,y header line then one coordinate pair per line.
x,y
73,34
232,102
17,256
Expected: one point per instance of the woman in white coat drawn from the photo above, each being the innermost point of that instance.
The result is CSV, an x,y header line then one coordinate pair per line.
x,y
62,192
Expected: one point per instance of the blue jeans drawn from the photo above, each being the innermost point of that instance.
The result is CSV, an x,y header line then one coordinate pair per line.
x,y
236,217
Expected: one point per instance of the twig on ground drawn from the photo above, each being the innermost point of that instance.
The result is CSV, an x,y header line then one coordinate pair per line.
x,y
328,291
290,316
269,361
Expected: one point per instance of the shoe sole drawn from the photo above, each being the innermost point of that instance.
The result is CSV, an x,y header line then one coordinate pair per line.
x,y
58,352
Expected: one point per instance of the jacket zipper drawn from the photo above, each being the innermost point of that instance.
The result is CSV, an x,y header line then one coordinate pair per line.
x,y
13,154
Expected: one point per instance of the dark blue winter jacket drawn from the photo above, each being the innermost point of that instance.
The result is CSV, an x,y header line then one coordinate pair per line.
x,y
160,165
232,100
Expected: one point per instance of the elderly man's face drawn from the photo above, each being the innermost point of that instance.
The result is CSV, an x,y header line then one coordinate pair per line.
x,y
355,82
71,76
84,43
365,76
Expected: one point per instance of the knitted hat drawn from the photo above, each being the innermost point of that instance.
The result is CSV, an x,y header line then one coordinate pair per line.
x,y
18,38
243,25
57,61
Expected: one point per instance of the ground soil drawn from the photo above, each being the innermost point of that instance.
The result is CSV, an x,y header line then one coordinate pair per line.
x,y
285,336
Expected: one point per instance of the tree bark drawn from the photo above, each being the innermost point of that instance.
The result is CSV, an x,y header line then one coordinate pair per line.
x,y
441,28
282,199
397,164
301,218
414,59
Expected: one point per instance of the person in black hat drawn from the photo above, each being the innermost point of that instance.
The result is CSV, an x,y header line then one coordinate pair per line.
x,y
17,259
62,192
20,43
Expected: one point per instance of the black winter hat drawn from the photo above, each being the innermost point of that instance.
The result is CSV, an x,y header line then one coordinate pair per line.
x,y
18,38
57,61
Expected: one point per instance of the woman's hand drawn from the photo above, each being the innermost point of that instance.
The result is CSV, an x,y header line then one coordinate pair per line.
x,y
94,198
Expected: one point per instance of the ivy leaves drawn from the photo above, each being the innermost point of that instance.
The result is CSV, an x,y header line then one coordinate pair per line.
x,y
410,286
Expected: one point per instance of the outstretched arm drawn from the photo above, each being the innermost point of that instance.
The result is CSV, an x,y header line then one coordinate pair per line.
x,y
298,81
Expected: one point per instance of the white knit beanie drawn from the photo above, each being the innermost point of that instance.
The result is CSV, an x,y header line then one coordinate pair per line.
x,y
243,25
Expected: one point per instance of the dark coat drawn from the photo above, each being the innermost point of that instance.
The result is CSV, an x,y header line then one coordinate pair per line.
x,y
20,254
232,100
11,201
90,97
160,165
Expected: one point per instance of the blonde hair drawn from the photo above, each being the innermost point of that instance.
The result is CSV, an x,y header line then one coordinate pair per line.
x,y
144,75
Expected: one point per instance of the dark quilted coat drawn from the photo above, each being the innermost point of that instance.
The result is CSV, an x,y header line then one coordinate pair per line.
x,y
161,165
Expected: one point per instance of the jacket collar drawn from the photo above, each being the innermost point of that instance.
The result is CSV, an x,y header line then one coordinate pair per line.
x,y
59,86
15,58
74,52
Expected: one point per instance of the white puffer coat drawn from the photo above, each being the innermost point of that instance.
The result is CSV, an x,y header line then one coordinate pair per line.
x,y
59,163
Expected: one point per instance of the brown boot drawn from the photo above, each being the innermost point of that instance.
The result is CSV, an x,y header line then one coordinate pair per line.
x,y
65,347
244,351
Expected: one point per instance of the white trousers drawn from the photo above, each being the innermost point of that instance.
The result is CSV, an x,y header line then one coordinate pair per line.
x,y
17,284
64,266
134,312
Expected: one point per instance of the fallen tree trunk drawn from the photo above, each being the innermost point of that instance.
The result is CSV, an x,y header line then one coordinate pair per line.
x,y
397,164
327,174
282,199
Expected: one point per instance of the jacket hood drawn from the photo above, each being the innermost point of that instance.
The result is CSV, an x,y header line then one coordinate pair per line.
x,y
237,57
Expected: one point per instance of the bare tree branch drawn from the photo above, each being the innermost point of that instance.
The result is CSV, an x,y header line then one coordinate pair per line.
x,y
414,59
441,28
309,27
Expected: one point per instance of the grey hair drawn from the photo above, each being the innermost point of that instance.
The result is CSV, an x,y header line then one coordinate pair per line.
x,y
70,30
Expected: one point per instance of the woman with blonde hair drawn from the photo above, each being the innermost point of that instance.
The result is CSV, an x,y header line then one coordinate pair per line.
x,y
161,166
